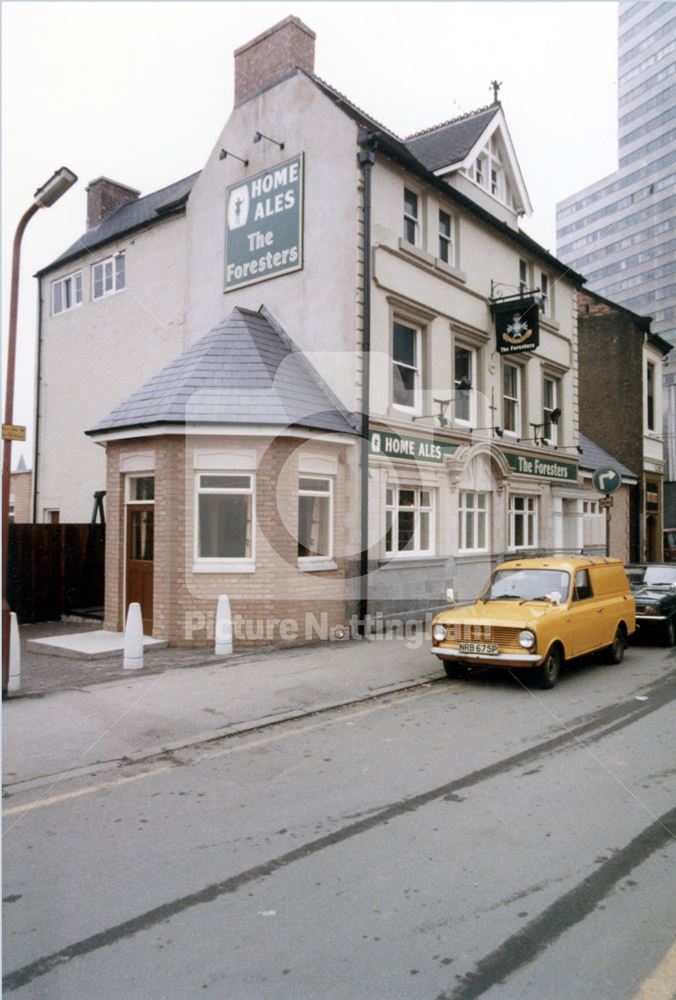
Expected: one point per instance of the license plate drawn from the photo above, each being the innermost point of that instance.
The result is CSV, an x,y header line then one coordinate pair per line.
x,y
484,648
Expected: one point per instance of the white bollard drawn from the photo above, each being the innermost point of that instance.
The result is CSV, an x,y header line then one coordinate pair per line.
x,y
14,682
133,639
223,646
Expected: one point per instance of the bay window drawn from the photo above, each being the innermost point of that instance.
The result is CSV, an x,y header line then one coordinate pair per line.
x,y
224,517
315,502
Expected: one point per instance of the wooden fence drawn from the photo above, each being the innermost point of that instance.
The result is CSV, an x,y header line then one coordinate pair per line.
x,y
55,570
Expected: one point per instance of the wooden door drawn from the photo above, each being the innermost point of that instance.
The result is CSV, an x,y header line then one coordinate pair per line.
x,y
140,546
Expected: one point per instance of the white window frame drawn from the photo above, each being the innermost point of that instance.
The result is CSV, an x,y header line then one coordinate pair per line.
x,y
517,400
110,282
470,421
415,368
414,220
530,516
70,286
447,240
553,435
473,510
129,479
523,275
545,293
319,561
221,564
393,508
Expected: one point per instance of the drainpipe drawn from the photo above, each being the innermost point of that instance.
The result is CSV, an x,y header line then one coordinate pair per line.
x,y
367,158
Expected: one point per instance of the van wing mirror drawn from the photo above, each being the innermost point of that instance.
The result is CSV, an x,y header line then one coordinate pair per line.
x,y
450,595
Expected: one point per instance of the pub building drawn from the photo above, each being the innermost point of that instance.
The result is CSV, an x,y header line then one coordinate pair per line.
x,y
336,377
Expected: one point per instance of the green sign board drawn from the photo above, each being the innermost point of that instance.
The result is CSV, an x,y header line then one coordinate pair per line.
x,y
264,225
543,468
414,449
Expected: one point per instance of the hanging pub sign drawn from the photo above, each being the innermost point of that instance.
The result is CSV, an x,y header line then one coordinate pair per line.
x,y
516,325
264,225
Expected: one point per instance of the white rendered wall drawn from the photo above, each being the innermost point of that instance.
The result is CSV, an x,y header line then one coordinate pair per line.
x,y
317,305
94,356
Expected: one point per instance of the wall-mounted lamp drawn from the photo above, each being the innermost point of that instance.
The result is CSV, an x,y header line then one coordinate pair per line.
x,y
224,152
463,385
538,437
576,447
260,135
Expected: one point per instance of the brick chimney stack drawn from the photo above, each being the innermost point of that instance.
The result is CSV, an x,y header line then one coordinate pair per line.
x,y
104,197
272,54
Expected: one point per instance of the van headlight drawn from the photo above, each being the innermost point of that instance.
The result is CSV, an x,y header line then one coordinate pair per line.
x,y
650,609
438,633
526,638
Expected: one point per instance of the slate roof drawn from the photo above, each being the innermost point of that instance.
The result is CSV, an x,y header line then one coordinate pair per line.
x,y
451,141
593,457
138,213
246,370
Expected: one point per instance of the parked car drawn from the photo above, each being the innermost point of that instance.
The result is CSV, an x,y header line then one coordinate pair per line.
x,y
538,613
670,544
654,586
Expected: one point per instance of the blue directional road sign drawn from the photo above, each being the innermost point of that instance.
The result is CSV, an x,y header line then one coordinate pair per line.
x,y
606,480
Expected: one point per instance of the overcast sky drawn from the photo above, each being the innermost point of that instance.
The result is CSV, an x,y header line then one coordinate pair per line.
x,y
140,91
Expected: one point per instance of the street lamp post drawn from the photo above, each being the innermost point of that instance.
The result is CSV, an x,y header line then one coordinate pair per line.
x,y
44,197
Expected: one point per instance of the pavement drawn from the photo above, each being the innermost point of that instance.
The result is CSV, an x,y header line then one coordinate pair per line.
x,y
75,716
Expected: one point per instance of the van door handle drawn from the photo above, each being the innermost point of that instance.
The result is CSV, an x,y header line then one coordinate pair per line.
x,y
599,611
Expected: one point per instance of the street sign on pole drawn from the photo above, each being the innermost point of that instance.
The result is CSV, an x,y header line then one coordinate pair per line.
x,y
606,480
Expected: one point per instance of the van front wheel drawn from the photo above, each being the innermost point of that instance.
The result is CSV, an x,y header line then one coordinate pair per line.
x,y
547,675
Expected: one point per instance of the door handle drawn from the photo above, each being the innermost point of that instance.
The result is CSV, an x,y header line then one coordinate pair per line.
x,y
599,611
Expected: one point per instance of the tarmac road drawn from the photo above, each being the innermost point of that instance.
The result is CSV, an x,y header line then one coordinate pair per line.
x,y
453,840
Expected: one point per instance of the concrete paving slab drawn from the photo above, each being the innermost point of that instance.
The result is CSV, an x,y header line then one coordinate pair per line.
x,y
94,645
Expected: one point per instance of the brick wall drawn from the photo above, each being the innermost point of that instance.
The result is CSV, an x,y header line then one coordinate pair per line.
x,y
611,380
20,488
277,603
273,53
104,197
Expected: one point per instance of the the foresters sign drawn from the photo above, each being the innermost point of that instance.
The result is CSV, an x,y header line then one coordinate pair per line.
x,y
264,225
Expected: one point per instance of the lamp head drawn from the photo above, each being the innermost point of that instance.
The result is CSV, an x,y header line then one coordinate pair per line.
x,y
57,185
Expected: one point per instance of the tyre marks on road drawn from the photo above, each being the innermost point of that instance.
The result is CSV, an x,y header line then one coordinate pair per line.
x,y
522,948
565,912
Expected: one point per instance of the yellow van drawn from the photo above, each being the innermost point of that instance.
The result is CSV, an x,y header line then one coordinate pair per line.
x,y
538,613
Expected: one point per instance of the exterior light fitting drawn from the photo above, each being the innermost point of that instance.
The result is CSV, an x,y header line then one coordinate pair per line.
x,y
463,385
52,189
224,152
260,135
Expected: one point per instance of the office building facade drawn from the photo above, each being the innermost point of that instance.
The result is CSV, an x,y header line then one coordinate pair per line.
x,y
620,232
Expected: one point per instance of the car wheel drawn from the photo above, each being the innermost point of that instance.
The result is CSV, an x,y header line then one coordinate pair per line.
x,y
615,652
455,671
547,675
670,633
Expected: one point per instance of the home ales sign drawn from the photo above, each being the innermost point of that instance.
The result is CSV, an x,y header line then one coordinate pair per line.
x,y
264,225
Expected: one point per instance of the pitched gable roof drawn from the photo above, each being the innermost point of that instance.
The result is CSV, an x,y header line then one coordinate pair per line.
x,y
246,370
452,141
135,215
